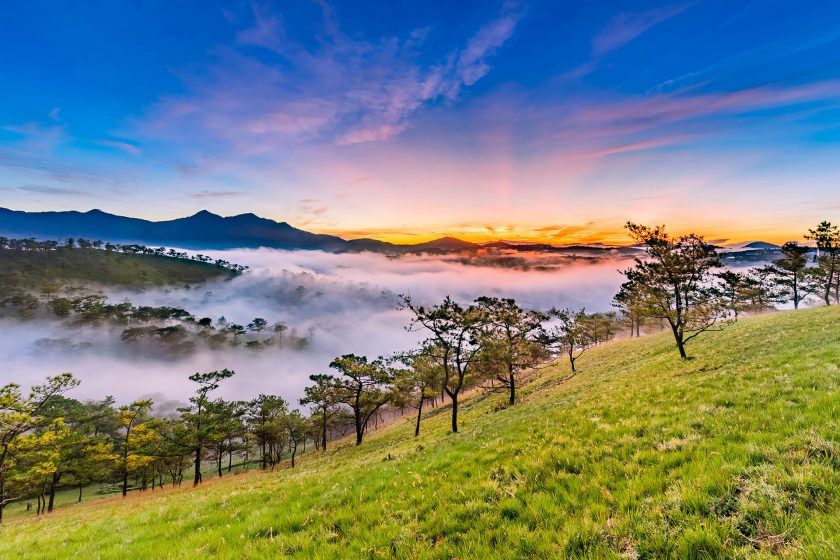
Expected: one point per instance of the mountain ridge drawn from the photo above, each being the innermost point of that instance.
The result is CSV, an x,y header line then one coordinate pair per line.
x,y
207,230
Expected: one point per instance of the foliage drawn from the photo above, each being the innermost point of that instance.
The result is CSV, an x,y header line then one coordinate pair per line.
x,y
675,283
789,273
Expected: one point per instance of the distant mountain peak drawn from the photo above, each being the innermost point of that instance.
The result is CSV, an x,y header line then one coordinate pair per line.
x,y
760,245
205,214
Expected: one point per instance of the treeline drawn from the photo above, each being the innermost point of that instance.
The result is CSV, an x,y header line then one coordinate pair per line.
x,y
171,330
34,245
47,440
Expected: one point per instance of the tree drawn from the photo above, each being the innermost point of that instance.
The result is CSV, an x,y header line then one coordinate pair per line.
x,y
134,438
19,414
68,443
257,325
419,382
295,426
225,426
322,397
363,386
511,331
734,290
577,331
675,283
789,272
61,449
197,417
631,304
455,336
264,414
759,292
827,271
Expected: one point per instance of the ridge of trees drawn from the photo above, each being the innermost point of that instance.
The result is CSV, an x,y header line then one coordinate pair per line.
x,y
33,245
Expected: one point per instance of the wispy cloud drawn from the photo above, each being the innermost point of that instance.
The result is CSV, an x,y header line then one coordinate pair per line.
x,y
121,145
47,190
626,26
214,195
345,90
620,30
37,135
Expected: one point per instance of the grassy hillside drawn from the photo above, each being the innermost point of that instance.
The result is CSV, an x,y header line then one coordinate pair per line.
x,y
102,267
733,454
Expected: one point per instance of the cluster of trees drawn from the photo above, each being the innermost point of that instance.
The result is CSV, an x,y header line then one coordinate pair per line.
x,y
680,282
32,244
49,441
172,330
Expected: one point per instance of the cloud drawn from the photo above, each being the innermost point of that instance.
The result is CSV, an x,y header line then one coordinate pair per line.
x,y
38,136
120,145
621,30
267,30
344,90
54,169
213,195
626,26
46,190
347,301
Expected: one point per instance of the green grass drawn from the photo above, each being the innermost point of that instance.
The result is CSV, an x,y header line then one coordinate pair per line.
x,y
102,267
733,454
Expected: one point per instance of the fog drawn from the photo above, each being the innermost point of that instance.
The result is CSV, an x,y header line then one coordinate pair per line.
x,y
341,302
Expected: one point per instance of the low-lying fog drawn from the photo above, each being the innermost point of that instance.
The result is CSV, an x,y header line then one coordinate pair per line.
x,y
343,303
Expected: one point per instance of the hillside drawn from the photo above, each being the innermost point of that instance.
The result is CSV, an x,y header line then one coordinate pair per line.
x,y
34,268
732,454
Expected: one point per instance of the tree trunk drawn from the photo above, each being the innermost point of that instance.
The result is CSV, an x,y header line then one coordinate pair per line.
x,y
512,381
125,479
80,491
359,435
197,473
2,498
219,462
454,398
419,414
53,482
681,348
324,431
678,338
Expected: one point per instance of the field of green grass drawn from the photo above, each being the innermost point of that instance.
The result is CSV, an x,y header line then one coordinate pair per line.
x,y
34,268
733,454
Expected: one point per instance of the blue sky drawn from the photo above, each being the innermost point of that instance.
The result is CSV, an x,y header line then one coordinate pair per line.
x,y
549,120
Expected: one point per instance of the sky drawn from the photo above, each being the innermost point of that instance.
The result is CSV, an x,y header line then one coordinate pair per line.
x,y
533,120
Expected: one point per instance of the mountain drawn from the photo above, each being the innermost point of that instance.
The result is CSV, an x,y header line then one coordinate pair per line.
x,y
760,245
639,455
203,230
443,244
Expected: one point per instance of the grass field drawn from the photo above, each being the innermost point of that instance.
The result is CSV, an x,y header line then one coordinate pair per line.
x,y
733,454
32,268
